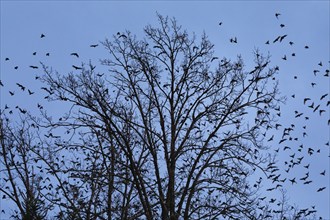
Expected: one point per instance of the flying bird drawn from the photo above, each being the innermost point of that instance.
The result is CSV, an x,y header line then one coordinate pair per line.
x,y
6,59
220,23
34,67
94,45
321,189
21,86
42,36
34,53
282,25
16,67
277,14
233,40
75,54
76,67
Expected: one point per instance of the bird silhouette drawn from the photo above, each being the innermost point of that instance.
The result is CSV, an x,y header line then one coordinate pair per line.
x,y
282,25
7,59
42,36
21,86
16,67
34,67
94,45
76,67
277,14
321,189
34,53
233,40
75,54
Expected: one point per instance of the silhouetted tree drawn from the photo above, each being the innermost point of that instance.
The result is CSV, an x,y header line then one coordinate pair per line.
x,y
171,131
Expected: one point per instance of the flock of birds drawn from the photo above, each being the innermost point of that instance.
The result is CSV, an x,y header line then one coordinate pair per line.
x,y
290,138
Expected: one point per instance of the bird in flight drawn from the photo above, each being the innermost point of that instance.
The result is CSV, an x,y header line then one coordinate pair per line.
x,y
76,67
34,67
75,54
6,59
233,40
42,36
277,14
94,45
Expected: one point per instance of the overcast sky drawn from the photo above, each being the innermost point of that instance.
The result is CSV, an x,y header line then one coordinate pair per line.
x,y
74,25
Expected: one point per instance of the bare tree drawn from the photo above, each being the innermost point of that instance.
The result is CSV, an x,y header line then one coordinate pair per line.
x,y
21,183
169,132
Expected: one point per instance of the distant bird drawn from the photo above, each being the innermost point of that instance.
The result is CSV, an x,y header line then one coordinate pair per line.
x,y
47,54
30,92
277,14
293,54
282,25
1,84
34,67
291,43
321,189
313,84
42,36
267,42
21,86
323,96
6,59
34,53
306,47
76,67
293,180
320,64
233,40
322,173
220,23
16,67
94,45
11,93
75,54
284,57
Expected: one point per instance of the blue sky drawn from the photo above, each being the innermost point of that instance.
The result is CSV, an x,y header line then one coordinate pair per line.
x,y
74,25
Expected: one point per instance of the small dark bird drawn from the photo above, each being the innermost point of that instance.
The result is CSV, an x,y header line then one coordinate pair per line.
x,y
276,39
284,58
21,86
30,92
34,67
1,84
6,59
277,14
233,40
322,173
293,180
293,54
76,67
313,84
16,67
323,96
320,63
291,43
42,36
282,25
47,54
321,189
306,47
11,93
94,45
220,23
75,54
267,42
34,53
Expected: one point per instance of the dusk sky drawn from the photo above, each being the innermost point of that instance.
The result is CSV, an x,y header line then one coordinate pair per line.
x,y
75,25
